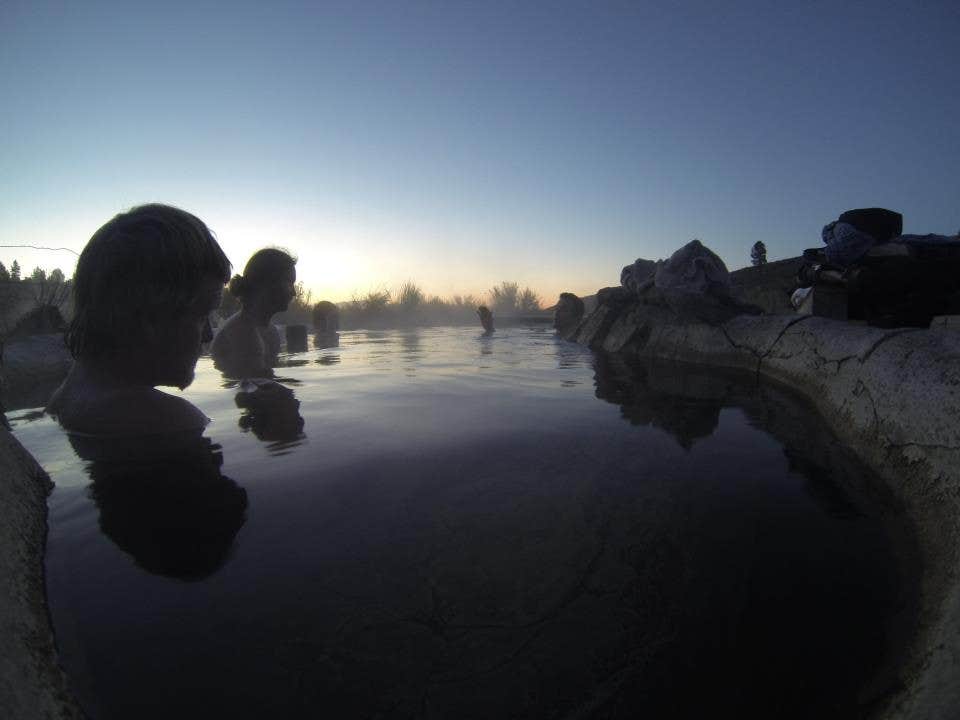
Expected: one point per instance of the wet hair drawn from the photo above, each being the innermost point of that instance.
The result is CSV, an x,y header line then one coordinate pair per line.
x,y
264,267
326,316
145,264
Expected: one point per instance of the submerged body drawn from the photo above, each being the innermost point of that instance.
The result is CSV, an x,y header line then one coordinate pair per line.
x,y
245,347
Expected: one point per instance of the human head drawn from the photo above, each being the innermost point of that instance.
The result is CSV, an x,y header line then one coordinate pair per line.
x,y
143,288
486,317
326,317
267,279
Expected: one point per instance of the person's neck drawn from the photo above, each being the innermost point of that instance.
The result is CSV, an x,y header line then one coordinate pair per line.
x,y
121,373
256,314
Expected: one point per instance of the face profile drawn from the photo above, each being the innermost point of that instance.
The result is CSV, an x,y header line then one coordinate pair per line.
x,y
186,335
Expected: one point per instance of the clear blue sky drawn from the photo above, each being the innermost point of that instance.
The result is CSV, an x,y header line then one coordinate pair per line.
x,y
460,144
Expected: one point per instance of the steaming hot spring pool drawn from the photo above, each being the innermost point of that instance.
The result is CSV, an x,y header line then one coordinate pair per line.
x,y
480,527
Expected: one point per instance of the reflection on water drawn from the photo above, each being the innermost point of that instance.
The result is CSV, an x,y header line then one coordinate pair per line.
x,y
686,402
271,412
322,340
484,538
686,405
164,501
411,346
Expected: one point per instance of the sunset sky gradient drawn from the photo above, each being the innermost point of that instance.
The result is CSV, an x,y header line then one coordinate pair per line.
x,y
461,144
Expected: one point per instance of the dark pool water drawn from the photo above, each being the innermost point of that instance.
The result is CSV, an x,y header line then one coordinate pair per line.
x,y
456,526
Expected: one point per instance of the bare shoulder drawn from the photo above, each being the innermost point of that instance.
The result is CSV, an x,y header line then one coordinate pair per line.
x,y
169,411
123,411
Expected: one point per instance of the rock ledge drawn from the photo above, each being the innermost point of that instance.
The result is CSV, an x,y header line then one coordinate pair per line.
x,y
31,683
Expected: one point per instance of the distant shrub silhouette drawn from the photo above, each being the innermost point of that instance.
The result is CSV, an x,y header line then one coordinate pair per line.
x,y
411,296
758,254
375,301
507,297
528,301
503,297
465,301
409,307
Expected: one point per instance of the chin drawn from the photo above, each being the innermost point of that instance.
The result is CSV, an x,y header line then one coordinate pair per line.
x,y
182,380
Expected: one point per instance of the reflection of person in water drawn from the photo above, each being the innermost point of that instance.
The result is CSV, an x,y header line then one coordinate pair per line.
x,y
143,291
486,318
271,411
684,404
165,502
247,345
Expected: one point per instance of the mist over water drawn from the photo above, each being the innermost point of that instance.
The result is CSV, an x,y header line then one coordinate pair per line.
x,y
442,524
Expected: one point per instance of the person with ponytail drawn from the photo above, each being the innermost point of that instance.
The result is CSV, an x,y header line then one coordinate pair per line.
x,y
247,344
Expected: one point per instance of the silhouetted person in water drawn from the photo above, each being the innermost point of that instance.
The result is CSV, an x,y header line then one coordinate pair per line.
x,y
326,321
143,291
486,318
326,317
247,345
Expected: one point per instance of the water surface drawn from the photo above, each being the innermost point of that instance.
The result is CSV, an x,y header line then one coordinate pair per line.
x,y
439,524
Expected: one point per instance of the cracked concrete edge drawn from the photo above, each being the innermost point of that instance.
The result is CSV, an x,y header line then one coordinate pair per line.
x,y
893,396
32,685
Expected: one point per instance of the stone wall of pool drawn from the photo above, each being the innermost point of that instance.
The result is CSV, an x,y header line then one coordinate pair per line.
x,y
32,685
892,395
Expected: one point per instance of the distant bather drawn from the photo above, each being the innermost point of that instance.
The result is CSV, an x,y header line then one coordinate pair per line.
x,y
486,318
326,317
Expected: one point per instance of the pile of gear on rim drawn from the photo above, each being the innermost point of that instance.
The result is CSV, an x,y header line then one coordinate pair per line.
x,y
869,270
